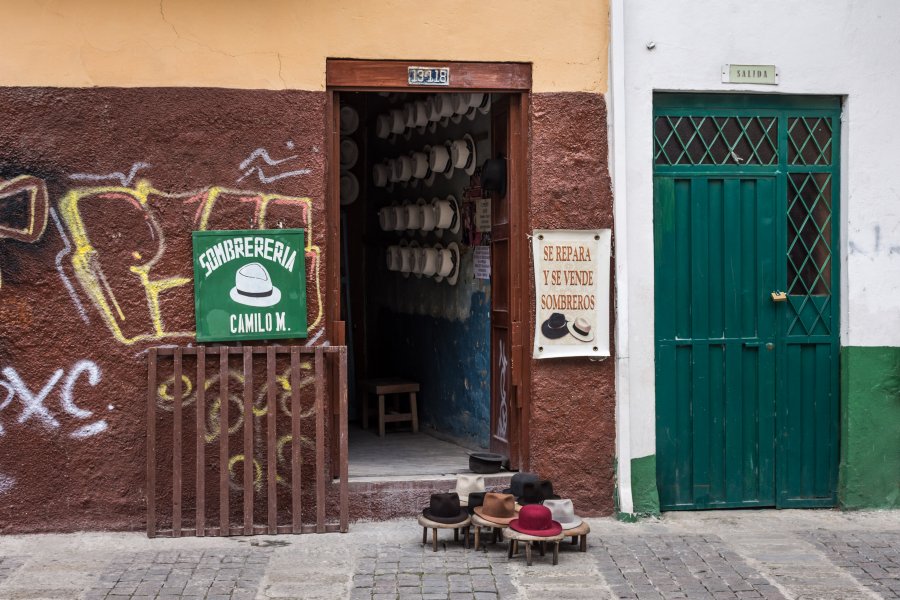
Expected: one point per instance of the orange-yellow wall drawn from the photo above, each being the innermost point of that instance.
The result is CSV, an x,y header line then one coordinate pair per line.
x,y
276,44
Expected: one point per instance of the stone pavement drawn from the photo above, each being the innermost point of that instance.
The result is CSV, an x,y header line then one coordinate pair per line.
x,y
812,554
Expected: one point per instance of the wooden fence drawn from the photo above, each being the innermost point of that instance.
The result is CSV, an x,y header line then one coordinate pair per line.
x,y
176,394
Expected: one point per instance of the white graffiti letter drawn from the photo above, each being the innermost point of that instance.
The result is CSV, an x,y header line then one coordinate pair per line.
x,y
68,400
9,396
32,403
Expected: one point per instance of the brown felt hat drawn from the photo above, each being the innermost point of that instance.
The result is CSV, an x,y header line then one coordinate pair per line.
x,y
499,508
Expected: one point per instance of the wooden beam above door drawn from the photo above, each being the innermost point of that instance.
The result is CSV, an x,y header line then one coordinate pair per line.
x,y
379,75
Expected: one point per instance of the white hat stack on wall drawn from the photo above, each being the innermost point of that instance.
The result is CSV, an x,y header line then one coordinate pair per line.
x,y
349,155
417,171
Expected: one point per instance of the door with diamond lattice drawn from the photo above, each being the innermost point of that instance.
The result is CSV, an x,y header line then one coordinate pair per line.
x,y
746,309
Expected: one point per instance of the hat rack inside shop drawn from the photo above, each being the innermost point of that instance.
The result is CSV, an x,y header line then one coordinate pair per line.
x,y
423,154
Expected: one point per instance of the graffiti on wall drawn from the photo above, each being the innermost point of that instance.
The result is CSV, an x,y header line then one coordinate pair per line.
x,y
127,278
52,406
260,163
236,414
503,409
24,205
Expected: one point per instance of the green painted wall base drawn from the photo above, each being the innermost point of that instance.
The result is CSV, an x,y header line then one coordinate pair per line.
x,y
870,428
643,485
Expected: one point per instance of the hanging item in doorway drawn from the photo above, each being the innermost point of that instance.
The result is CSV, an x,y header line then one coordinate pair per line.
x,y
462,153
349,120
571,271
440,160
349,188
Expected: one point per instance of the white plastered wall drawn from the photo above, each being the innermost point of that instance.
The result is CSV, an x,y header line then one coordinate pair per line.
x,y
832,47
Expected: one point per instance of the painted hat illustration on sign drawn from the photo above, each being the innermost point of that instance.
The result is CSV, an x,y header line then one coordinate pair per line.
x,y
555,326
253,286
580,329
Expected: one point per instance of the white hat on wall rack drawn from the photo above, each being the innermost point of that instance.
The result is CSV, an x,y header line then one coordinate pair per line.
x,y
440,160
446,212
405,259
447,263
462,153
420,165
386,219
428,261
429,175
414,266
381,174
393,258
427,220
349,153
349,120
349,188
398,125
413,215
383,127
399,217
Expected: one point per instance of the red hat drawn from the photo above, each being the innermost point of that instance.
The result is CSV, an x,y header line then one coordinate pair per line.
x,y
536,520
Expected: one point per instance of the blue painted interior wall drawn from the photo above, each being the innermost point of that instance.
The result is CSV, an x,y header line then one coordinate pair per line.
x,y
450,357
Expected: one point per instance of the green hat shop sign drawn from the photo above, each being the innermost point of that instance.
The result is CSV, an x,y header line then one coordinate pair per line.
x,y
249,285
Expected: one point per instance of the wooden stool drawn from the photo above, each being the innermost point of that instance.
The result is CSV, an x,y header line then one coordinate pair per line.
x,y
434,526
579,534
383,387
515,537
496,529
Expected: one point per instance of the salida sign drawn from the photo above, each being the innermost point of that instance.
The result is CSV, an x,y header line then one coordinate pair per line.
x,y
249,284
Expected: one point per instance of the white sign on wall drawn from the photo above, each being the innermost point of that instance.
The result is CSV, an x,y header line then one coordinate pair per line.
x,y
571,271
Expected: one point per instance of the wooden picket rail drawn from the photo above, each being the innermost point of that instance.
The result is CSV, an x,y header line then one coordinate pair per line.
x,y
321,480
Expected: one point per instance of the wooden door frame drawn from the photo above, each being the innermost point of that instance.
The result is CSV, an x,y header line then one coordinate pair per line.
x,y
352,75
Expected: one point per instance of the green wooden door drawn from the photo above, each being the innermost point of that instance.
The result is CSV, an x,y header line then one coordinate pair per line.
x,y
745,206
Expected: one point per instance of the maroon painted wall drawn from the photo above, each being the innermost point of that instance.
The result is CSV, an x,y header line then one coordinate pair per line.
x,y
573,427
122,176
99,191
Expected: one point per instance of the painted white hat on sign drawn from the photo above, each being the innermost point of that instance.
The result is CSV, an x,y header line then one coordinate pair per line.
x,y
580,329
253,287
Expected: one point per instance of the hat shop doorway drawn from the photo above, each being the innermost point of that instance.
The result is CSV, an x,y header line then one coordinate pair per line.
x,y
428,271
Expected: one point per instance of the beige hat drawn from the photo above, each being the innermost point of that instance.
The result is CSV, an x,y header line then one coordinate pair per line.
x,y
446,213
399,217
468,484
349,153
420,165
413,215
349,188
393,258
398,123
440,160
428,261
447,263
381,174
349,120
462,153
427,219
383,127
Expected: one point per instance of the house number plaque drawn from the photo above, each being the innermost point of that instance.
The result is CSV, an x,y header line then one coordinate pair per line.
x,y
428,75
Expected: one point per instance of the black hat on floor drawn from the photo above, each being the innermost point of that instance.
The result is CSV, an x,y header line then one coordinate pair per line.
x,y
445,508
535,492
475,499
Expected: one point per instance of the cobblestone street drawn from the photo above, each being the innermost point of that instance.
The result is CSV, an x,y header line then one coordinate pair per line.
x,y
715,555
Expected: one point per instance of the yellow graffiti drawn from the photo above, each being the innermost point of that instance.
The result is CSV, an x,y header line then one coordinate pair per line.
x,y
257,471
89,262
